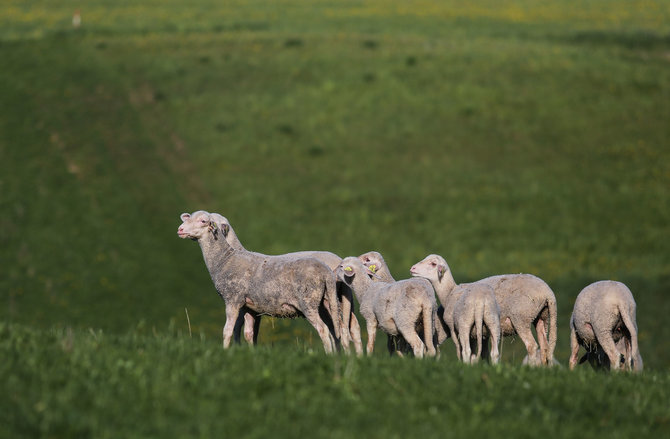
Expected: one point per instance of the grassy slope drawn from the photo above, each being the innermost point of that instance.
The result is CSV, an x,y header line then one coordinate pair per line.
x,y
505,136
90,384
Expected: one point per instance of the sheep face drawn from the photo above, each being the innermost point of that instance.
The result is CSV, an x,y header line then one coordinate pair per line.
x,y
196,225
346,272
432,267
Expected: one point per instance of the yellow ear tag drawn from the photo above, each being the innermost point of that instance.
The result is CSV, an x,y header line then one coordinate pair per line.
x,y
348,269
373,268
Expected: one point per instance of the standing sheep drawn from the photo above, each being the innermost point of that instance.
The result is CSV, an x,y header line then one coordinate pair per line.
x,y
344,293
376,264
396,308
468,308
524,300
280,286
603,322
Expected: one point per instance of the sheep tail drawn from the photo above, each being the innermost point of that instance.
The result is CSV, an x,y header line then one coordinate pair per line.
x,y
628,317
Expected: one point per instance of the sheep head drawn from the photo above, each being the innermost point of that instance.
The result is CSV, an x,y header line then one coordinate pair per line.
x,y
373,261
197,225
349,268
432,267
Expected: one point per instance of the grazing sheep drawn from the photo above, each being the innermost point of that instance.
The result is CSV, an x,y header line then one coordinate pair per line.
x,y
468,308
603,322
344,293
397,308
280,286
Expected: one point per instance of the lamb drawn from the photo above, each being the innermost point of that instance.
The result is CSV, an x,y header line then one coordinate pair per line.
x,y
396,308
603,322
344,293
524,300
376,264
281,286
468,308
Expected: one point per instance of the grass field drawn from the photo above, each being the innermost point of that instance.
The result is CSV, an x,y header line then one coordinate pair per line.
x,y
507,136
90,384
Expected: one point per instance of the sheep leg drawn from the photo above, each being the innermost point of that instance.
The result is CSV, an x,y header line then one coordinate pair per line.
x,y
355,332
315,320
526,336
327,318
464,341
494,356
540,328
252,324
232,312
239,323
486,353
457,344
606,341
372,333
574,347
479,324
346,309
411,337
625,341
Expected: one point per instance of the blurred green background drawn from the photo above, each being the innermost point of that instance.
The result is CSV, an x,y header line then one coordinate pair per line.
x,y
507,136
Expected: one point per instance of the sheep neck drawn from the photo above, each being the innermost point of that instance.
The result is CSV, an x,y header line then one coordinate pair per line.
x,y
360,286
233,240
444,287
216,252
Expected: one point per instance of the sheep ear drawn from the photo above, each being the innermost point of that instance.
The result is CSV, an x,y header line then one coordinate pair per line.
x,y
225,228
184,216
212,227
441,269
348,270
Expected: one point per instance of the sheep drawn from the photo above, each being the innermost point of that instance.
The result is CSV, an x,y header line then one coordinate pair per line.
x,y
523,300
468,308
280,286
376,264
603,322
344,293
395,308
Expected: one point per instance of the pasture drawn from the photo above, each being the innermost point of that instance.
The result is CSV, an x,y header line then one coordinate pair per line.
x,y
507,136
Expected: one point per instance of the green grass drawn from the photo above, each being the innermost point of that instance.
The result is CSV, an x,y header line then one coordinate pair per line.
x,y
508,136
71,383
